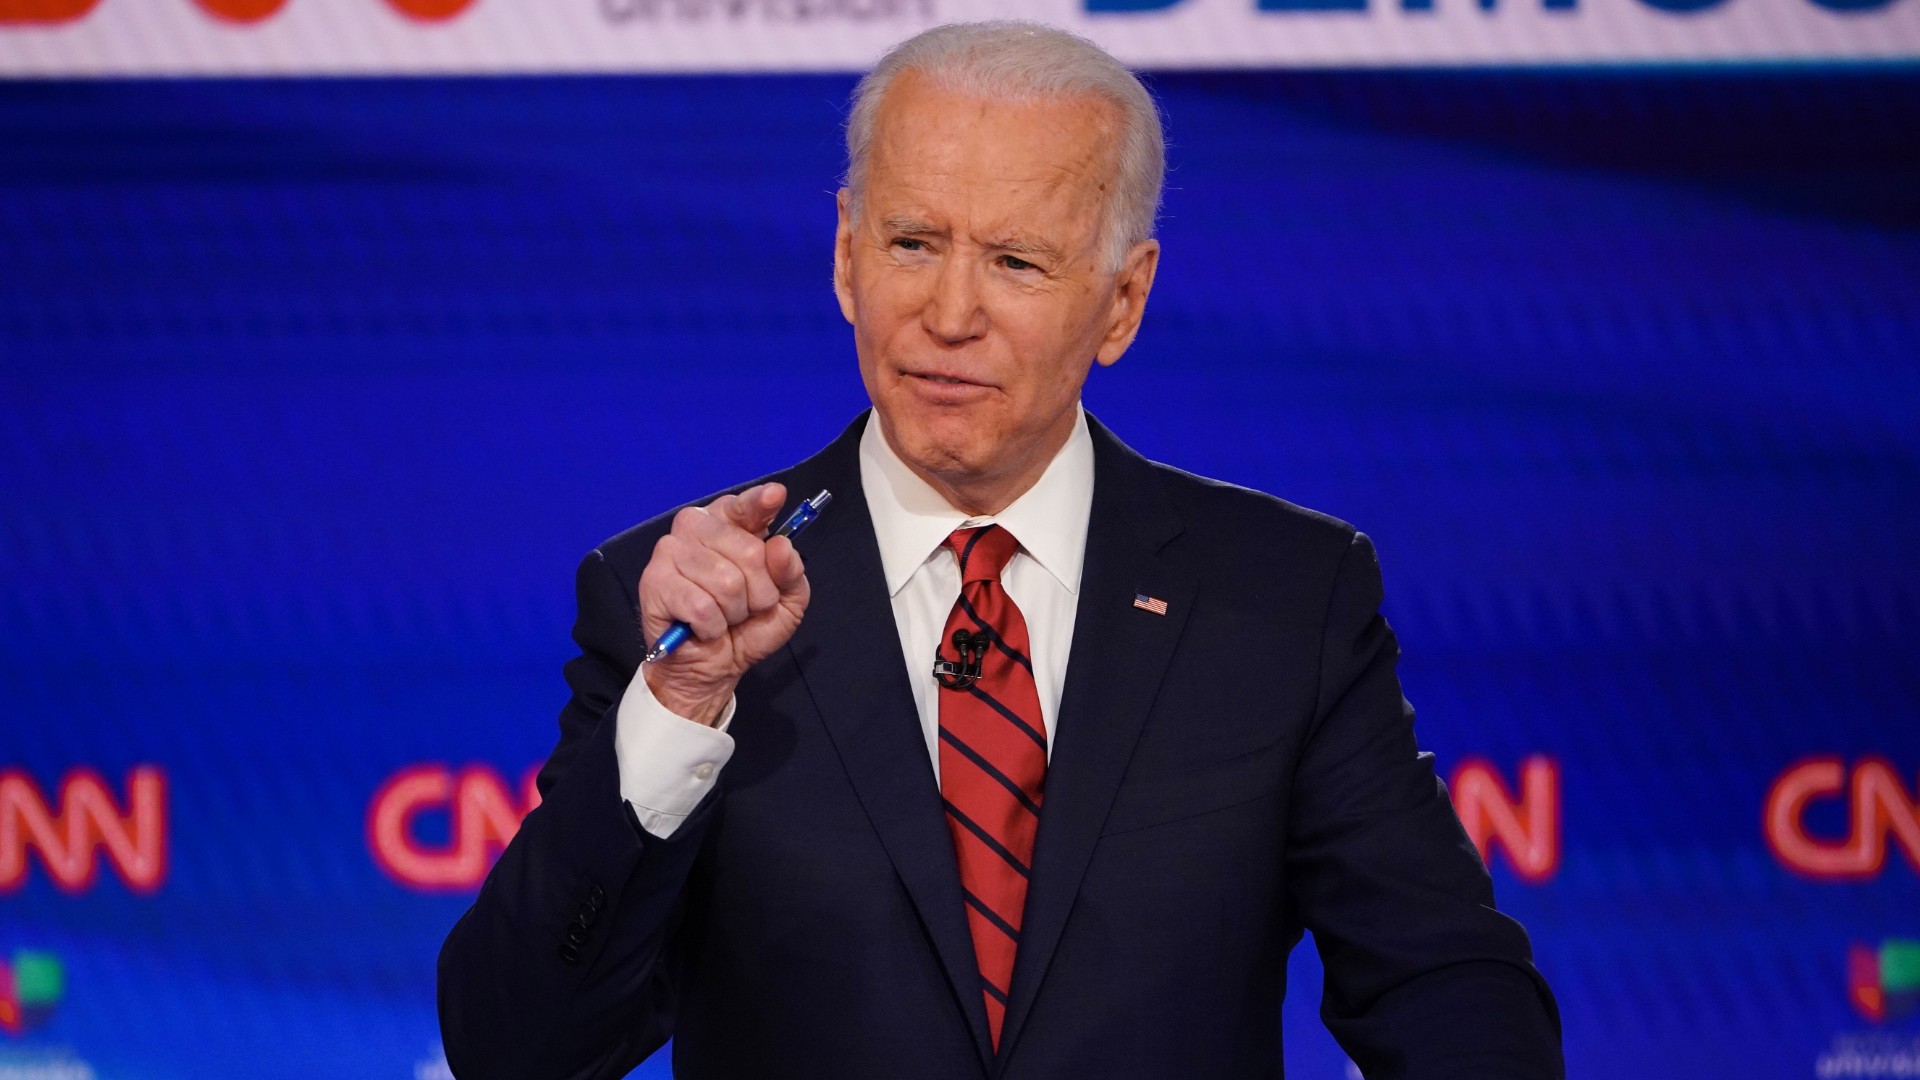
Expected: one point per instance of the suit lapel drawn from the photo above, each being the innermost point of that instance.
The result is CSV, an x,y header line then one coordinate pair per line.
x,y
1114,670
848,653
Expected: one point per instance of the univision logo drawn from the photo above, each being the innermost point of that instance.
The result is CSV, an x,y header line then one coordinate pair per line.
x,y
30,987
1884,983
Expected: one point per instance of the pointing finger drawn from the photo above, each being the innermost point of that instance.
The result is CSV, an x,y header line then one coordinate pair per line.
x,y
752,509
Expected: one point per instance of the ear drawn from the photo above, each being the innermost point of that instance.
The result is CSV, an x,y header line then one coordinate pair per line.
x,y
843,255
1130,288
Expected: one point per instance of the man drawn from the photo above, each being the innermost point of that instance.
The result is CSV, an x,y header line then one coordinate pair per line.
x,y
1163,733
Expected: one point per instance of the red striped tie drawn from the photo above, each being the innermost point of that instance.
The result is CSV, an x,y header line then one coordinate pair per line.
x,y
993,761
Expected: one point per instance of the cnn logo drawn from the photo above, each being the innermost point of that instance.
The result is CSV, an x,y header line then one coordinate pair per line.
x,y
1880,815
482,813
79,821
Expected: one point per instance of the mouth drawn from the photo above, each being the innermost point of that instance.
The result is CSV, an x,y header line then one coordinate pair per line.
x,y
939,378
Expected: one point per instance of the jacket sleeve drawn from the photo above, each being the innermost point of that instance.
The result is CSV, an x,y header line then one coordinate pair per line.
x,y
1424,978
564,965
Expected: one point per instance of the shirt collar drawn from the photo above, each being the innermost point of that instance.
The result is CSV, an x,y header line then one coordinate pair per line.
x,y
911,519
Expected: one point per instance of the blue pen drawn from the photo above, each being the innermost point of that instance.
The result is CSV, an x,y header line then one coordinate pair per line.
x,y
802,516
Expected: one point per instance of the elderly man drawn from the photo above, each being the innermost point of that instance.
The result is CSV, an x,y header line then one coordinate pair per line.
x,y
1033,758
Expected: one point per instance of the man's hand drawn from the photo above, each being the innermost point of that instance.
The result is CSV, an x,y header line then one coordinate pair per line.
x,y
743,597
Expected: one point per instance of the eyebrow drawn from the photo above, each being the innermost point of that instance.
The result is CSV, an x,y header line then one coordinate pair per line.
x,y
912,226
909,225
1034,246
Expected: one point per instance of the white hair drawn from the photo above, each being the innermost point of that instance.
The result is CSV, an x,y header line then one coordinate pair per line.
x,y
1023,61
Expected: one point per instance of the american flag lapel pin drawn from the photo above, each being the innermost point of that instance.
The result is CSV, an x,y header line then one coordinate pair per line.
x,y
1150,603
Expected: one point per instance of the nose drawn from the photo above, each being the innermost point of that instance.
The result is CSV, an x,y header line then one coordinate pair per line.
x,y
953,313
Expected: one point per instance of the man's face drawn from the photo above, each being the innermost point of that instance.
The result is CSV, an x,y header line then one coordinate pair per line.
x,y
976,282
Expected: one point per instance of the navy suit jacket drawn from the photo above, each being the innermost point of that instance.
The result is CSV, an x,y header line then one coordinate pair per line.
x,y
1222,777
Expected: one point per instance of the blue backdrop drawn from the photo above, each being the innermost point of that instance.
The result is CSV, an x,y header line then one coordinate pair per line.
x,y
314,392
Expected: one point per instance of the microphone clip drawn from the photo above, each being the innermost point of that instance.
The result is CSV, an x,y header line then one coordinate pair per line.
x,y
964,672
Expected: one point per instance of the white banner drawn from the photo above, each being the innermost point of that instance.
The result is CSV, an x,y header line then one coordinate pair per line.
x,y
236,37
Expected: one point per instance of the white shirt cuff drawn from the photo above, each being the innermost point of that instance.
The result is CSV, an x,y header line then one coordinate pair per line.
x,y
667,762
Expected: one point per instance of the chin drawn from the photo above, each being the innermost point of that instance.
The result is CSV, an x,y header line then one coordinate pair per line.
x,y
951,459
951,435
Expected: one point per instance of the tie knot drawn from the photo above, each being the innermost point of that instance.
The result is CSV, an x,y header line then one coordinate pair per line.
x,y
983,552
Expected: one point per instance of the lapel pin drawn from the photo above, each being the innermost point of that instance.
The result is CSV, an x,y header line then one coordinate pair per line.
x,y
1150,603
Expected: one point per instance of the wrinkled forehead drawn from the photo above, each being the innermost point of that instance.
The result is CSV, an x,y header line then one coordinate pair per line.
x,y
919,108
933,144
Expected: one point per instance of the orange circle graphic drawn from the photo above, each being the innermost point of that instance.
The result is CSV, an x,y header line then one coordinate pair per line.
x,y
430,10
44,11
241,11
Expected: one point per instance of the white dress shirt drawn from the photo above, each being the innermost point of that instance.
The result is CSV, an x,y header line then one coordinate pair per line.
x,y
667,763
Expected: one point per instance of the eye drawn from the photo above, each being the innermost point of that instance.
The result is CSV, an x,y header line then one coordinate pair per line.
x,y
1014,262
908,243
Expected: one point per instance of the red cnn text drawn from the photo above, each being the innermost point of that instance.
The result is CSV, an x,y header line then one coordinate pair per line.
x,y
1879,811
484,814
69,832
1525,828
